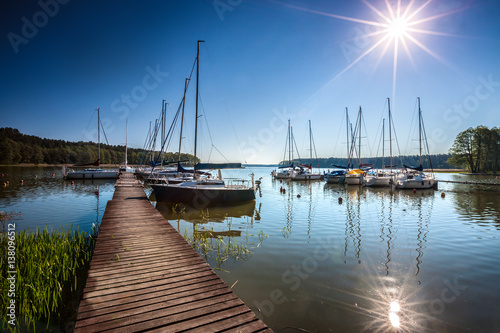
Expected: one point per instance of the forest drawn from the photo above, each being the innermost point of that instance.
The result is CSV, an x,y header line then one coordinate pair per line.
x,y
16,148
477,149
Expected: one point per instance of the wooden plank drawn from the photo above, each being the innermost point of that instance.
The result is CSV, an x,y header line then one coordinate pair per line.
x,y
145,276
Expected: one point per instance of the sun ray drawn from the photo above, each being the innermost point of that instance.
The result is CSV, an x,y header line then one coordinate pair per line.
x,y
373,47
376,11
391,11
407,10
395,68
341,17
438,16
435,33
418,10
423,47
408,53
384,51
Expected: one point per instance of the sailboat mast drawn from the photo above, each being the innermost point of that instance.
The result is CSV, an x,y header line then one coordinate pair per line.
x,y
98,137
126,142
359,148
289,143
347,134
182,119
419,131
196,118
310,143
390,132
383,143
163,120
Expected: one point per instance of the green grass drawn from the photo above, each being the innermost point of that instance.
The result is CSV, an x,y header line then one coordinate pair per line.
x,y
51,268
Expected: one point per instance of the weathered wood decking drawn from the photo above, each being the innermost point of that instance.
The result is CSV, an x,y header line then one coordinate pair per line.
x,y
145,277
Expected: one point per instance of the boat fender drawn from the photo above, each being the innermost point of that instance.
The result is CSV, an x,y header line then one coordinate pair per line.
x,y
442,194
414,191
22,181
340,200
298,196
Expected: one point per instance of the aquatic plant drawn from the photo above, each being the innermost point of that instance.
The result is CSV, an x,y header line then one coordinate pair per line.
x,y
50,268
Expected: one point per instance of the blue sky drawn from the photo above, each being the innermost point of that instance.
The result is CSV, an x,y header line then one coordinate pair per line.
x,y
262,62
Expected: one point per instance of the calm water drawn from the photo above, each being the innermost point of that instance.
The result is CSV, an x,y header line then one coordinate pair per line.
x,y
375,261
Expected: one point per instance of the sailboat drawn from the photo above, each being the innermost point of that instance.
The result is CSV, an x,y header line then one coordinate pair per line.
x,y
356,176
304,172
202,191
337,176
286,166
383,177
413,177
92,173
125,166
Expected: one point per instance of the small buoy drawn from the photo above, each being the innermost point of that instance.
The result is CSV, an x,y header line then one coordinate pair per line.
x,y
298,195
442,194
414,191
340,200
22,181
72,182
284,191
53,175
4,184
281,180
7,182
36,176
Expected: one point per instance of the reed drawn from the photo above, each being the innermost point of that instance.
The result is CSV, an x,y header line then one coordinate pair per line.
x,y
51,269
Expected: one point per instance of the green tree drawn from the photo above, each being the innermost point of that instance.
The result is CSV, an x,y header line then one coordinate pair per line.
x,y
476,149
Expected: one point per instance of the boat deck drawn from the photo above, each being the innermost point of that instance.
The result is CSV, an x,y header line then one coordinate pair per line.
x,y
145,277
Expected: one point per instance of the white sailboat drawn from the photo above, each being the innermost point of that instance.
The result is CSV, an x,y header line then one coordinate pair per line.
x,y
413,177
286,167
92,173
356,176
203,192
383,177
125,166
304,172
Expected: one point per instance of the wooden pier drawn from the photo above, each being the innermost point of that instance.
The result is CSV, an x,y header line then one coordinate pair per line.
x,y
145,277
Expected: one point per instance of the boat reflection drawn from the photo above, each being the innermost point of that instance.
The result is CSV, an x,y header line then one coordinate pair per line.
x,y
216,233
217,214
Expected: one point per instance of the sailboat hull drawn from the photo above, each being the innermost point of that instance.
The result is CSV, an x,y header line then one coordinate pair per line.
x,y
92,174
201,196
354,179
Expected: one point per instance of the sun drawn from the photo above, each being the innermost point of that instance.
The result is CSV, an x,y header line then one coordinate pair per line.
x,y
398,27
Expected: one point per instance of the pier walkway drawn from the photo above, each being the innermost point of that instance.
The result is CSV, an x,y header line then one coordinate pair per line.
x,y
145,277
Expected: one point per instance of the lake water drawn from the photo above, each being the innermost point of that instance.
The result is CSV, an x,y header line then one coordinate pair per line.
x,y
374,261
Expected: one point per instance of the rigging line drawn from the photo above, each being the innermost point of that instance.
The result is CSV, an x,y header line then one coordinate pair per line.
x,y
169,134
92,117
104,132
338,135
220,153
234,130
297,149
396,138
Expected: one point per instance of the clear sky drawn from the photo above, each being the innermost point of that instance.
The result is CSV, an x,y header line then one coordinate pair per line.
x,y
262,63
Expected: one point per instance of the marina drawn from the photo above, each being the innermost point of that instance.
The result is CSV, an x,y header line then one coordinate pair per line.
x,y
337,255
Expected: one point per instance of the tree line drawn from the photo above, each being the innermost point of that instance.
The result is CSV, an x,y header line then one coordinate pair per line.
x,y
477,149
16,148
437,161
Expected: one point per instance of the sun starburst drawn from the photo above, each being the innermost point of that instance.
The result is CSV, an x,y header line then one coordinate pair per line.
x,y
398,27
